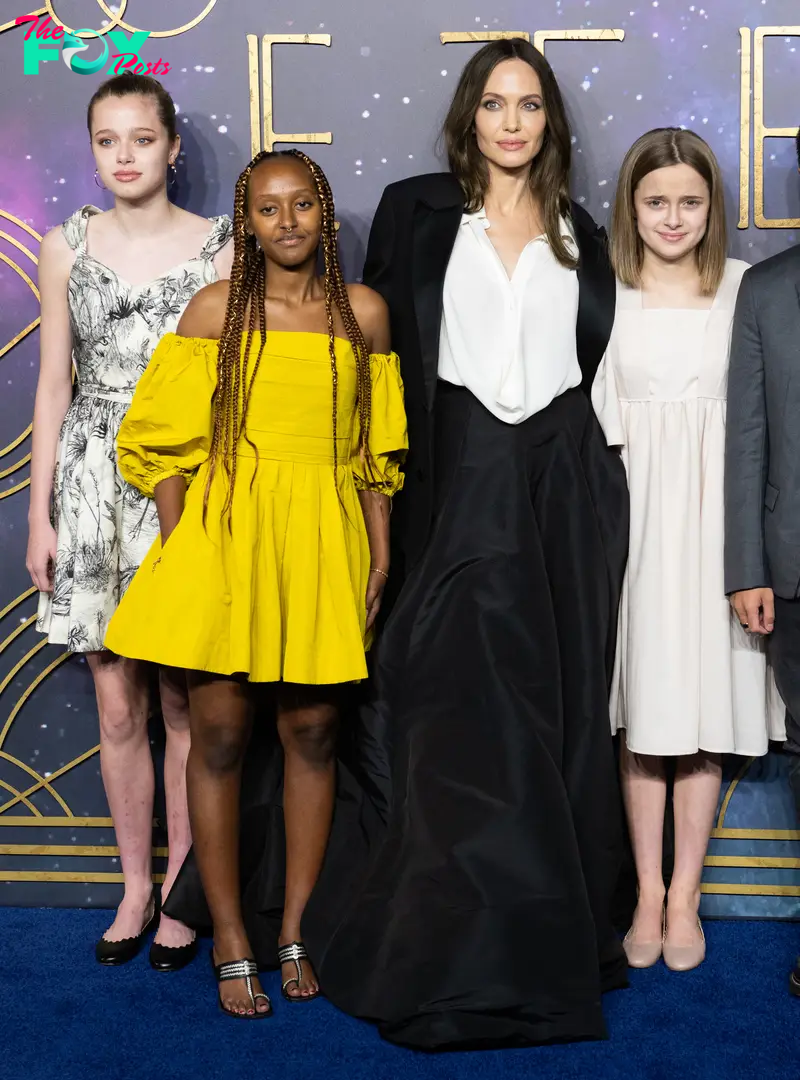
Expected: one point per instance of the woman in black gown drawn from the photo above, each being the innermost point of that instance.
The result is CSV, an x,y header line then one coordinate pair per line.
x,y
480,915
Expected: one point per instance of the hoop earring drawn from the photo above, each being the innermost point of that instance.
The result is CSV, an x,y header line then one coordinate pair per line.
x,y
98,181
174,178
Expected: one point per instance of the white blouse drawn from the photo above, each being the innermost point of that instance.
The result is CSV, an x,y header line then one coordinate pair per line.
x,y
510,341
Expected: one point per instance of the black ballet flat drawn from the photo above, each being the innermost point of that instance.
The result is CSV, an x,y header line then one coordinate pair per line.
x,y
241,969
115,953
295,951
172,957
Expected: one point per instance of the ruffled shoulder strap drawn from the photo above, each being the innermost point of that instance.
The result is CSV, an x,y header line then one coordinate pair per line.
x,y
221,232
74,228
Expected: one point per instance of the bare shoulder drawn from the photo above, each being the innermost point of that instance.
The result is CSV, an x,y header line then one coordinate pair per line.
x,y
204,316
372,314
54,251
192,225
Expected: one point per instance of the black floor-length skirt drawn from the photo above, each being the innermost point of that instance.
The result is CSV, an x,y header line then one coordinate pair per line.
x,y
466,892
480,914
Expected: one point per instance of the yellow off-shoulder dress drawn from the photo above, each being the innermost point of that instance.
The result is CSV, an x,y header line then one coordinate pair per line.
x,y
282,594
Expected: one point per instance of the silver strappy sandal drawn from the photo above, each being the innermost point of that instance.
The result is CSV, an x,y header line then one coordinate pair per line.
x,y
295,952
241,969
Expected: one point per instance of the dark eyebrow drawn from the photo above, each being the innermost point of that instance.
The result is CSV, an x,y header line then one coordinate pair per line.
x,y
525,97
109,131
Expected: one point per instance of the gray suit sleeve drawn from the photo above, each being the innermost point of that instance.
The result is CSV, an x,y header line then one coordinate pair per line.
x,y
746,451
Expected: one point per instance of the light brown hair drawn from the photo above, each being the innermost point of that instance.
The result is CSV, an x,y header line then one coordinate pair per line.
x,y
549,175
248,293
658,149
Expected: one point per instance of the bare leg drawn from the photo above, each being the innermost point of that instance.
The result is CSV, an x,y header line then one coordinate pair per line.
x,y
175,710
644,789
126,765
308,735
695,797
220,725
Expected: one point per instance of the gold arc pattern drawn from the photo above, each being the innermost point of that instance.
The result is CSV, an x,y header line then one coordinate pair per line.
x,y
36,682
13,674
116,20
723,810
13,445
14,468
17,465
157,33
41,781
11,25
15,603
70,821
15,633
49,9
23,225
22,798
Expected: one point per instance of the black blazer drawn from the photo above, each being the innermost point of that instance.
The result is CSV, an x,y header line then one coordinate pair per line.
x,y
410,243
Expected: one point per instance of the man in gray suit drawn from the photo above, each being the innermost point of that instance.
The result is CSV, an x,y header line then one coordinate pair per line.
x,y
762,477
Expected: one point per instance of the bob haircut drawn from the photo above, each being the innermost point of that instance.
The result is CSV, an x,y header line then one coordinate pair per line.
x,y
658,149
549,175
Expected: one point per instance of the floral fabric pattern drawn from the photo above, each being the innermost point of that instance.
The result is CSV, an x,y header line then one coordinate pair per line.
x,y
105,527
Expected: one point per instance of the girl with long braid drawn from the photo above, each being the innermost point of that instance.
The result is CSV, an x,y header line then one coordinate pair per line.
x,y
270,430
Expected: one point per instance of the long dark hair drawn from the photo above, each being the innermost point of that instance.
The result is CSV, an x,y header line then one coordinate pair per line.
x,y
248,291
549,175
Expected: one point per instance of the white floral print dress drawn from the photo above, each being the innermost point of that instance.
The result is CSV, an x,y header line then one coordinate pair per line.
x,y
105,527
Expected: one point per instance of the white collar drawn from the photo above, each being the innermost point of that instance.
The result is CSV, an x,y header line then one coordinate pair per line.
x,y
479,217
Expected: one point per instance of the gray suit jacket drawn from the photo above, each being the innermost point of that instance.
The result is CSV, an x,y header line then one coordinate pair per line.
x,y
762,444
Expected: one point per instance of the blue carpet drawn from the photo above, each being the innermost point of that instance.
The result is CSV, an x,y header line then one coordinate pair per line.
x,y
64,1017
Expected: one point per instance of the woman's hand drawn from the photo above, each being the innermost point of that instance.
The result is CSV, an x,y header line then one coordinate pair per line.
x,y
375,586
41,556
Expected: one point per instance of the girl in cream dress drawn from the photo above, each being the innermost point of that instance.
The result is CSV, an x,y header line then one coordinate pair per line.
x,y
689,681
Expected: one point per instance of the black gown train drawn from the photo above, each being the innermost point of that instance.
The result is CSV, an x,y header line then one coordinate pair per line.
x,y
481,914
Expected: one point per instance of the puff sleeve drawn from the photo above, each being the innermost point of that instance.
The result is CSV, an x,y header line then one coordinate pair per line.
x,y
167,429
605,400
388,433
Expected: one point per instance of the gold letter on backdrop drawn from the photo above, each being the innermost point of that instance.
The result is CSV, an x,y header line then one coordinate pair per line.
x,y
760,132
746,68
261,102
539,38
455,37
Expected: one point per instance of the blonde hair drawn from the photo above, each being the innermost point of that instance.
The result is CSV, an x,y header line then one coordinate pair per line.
x,y
658,149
